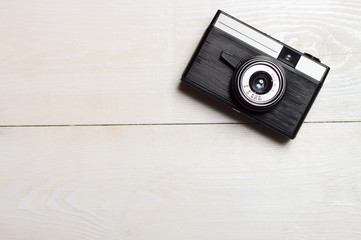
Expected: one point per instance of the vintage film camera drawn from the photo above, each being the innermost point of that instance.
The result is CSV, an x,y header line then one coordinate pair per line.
x,y
255,74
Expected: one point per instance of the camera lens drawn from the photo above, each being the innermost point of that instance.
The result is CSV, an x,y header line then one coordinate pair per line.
x,y
259,84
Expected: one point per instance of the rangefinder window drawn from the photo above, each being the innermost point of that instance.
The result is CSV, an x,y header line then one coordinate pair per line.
x,y
289,56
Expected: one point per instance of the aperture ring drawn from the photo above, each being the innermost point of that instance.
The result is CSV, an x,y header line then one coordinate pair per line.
x,y
247,95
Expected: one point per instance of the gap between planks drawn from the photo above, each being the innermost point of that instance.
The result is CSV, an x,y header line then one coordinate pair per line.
x,y
156,124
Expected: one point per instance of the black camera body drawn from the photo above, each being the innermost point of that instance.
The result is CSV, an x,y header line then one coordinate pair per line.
x,y
255,74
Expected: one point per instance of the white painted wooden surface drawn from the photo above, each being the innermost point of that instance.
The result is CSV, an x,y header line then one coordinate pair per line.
x,y
98,139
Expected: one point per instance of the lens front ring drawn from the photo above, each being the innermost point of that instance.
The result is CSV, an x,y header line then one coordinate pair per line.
x,y
259,84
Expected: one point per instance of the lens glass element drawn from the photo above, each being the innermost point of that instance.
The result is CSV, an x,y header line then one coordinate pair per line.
x,y
261,82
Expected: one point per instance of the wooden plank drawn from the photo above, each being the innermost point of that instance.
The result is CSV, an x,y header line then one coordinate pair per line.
x,y
230,181
69,62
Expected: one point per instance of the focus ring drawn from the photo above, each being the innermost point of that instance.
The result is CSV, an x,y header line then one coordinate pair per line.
x,y
259,84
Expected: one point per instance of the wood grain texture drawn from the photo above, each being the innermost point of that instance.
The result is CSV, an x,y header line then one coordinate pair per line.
x,y
120,62
158,182
177,165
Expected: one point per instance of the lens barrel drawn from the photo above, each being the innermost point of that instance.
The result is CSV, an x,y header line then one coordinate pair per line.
x,y
259,84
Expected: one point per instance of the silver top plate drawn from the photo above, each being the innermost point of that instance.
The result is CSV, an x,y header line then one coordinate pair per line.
x,y
266,44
